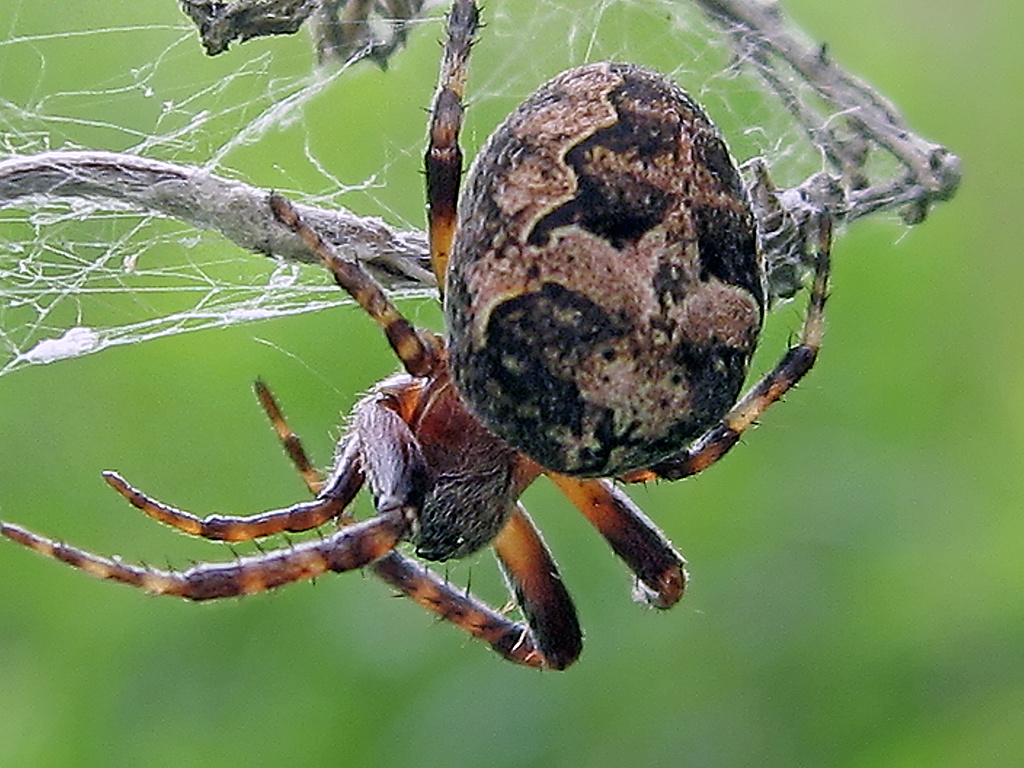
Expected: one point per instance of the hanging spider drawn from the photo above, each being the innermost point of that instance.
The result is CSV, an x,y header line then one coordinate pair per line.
x,y
603,291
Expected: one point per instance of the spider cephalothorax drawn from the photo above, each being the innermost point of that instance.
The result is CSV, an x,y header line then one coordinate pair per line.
x,y
604,294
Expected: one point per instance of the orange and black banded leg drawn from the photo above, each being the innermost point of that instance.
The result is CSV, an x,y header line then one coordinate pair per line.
x,y
418,352
659,568
347,476
296,518
554,631
715,442
510,639
344,550
443,158
291,442
413,579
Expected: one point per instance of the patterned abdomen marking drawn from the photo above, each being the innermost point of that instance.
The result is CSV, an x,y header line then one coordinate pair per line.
x,y
605,292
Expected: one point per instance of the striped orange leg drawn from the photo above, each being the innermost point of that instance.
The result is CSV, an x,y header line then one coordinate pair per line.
x,y
419,352
443,158
333,497
344,550
555,640
508,638
659,568
349,548
298,517
715,442
341,551
289,440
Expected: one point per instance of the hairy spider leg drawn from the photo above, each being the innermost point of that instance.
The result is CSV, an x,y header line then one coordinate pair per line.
x,y
443,158
299,517
334,497
443,161
716,441
660,570
290,441
344,550
418,352
511,639
553,637
351,547
533,577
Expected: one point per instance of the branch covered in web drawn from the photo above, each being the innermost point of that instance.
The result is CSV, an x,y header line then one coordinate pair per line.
x,y
238,211
853,120
873,160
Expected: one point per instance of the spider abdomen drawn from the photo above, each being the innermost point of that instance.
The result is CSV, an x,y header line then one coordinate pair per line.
x,y
605,290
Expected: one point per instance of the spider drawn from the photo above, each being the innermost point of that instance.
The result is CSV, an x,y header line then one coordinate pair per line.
x,y
603,292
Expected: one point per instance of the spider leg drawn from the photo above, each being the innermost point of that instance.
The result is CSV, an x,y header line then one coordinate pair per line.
x,y
344,550
418,352
410,577
443,158
716,441
289,440
533,577
350,547
443,163
659,568
510,639
336,496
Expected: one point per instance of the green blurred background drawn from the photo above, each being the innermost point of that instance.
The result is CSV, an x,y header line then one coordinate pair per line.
x,y
858,586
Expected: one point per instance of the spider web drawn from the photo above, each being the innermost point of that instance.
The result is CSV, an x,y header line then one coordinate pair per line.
x,y
80,275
